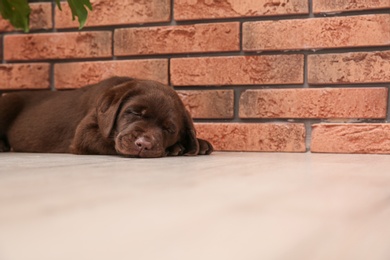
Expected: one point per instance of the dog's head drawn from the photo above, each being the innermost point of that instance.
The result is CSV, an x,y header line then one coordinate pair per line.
x,y
144,119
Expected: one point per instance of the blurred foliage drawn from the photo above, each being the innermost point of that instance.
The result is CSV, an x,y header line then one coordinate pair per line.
x,y
18,12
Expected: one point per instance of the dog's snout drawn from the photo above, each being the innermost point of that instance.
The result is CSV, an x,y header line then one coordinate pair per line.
x,y
143,144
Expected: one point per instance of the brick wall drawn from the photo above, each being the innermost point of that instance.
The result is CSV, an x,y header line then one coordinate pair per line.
x,y
257,75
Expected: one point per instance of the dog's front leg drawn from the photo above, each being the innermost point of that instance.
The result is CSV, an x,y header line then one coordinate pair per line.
x,y
89,140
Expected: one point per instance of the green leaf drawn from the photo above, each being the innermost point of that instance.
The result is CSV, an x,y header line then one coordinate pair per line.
x,y
17,12
79,9
58,4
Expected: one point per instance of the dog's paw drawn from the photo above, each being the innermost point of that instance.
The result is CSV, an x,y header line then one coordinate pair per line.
x,y
205,147
175,150
178,149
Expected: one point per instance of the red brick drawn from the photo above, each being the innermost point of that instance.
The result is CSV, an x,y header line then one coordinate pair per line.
x,y
24,76
250,70
332,6
317,33
115,12
5,26
40,18
346,68
351,138
216,37
208,103
263,137
314,103
57,45
78,74
192,10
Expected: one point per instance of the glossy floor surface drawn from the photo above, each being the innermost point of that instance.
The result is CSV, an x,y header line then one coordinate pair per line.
x,y
246,206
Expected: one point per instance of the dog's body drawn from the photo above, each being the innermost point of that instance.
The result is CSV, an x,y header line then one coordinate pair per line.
x,y
120,115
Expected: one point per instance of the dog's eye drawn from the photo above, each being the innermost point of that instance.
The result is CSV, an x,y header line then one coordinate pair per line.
x,y
171,130
133,112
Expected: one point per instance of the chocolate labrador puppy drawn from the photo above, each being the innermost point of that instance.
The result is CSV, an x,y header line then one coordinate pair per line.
x,y
120,115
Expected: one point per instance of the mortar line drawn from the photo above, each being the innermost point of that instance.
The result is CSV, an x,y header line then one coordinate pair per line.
x,y
387,119
311,12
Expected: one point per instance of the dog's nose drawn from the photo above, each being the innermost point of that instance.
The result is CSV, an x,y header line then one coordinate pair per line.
x,y
143,144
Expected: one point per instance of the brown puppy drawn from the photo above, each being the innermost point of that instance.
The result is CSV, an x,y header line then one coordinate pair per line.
x,y
120,115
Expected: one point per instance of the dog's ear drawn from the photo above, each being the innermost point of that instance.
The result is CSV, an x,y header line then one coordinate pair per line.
x,y
189,140
193,145
109,104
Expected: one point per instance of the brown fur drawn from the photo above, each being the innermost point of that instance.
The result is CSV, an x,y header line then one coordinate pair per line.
x,y
120,115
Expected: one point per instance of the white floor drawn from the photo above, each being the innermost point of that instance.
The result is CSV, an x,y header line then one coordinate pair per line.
x,y
238,206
